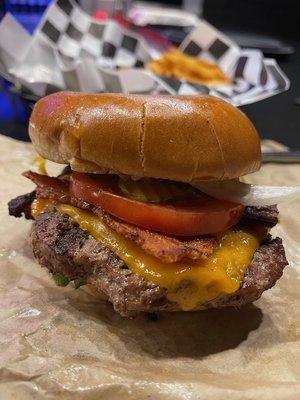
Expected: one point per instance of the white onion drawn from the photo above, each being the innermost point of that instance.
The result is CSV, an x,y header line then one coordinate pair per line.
x,y
250,195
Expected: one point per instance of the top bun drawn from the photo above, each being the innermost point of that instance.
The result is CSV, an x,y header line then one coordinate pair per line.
x,y
181,138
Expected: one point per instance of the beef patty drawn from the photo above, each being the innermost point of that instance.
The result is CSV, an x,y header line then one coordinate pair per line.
x,y
64,248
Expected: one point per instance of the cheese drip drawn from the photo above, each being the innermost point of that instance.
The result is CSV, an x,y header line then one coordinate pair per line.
x,y
40,162
190,283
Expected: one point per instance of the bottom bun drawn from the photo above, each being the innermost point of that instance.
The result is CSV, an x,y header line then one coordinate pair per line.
x,y
62,247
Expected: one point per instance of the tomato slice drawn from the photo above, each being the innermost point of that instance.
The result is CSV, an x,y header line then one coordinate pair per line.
x,y
197,216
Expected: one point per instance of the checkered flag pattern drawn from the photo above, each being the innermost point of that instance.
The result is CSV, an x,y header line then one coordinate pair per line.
x,y
72,51
253,77
75,35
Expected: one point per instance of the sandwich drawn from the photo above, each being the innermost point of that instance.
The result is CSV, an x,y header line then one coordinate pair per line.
x,y
149,210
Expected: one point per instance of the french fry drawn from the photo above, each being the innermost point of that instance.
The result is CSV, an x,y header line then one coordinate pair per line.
x,y
178,65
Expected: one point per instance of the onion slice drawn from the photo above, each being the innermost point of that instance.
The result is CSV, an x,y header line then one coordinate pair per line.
x,y
249,195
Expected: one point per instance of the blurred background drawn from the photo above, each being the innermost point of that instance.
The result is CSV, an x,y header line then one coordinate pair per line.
x,y
269,25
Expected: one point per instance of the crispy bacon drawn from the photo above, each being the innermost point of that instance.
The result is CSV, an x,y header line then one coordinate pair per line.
x,y
167,249
49,187
267,214
21,205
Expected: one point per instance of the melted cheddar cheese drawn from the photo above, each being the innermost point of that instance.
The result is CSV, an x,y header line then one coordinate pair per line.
x,y
40,162
190,283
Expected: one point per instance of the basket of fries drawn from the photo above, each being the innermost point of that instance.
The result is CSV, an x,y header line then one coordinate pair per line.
x,y
71,51
179,65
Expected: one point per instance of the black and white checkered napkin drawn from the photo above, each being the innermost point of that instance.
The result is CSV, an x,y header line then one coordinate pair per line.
x,y
72,51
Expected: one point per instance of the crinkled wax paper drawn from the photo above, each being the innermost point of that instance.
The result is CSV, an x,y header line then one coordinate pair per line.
x,y
62,343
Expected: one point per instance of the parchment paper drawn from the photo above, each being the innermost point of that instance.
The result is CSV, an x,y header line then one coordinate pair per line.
x,y
61,343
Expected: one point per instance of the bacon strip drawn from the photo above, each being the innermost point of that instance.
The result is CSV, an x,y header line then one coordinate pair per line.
x,y
21,205
267,214
49,187
167,249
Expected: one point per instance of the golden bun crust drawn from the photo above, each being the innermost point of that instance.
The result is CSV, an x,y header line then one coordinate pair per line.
x,y
180,138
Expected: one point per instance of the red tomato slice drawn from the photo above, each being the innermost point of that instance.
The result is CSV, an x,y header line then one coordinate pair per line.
x,y
198,216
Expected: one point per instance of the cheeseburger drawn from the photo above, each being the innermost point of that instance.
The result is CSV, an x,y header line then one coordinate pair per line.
x,y
150,211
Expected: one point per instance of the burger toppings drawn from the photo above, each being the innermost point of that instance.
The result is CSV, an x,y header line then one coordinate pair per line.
x,y
250,195
197,215
21,205
193,269
40,162
154,190
165,248
52,187
61,280
267,214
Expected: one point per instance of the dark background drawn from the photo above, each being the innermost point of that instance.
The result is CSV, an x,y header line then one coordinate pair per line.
x,y
276,118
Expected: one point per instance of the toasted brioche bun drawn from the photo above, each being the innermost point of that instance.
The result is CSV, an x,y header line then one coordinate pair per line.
x,y
180,138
